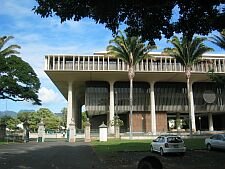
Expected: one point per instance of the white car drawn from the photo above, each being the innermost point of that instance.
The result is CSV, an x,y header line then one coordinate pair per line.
x,y
215,141
168,144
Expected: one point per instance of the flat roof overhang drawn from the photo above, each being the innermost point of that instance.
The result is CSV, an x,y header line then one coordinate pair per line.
x,y
61,78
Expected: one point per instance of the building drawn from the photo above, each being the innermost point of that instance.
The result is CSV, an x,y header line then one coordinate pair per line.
x,y
100,82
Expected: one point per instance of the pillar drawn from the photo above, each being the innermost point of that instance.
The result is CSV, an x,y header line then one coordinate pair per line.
x,y
70,104
192,107
153,116
87,131
210,120
178,121
46,63
41,132
111,107
74,108
72,131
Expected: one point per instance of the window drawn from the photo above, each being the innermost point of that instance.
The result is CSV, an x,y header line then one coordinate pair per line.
x,y
174,140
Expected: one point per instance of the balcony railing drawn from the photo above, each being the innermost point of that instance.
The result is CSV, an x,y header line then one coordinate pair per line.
x,y
158,63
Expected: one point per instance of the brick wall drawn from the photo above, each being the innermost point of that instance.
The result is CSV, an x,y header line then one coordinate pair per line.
x,y
142,121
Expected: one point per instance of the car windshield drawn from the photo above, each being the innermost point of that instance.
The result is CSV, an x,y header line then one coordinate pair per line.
x,y
174,140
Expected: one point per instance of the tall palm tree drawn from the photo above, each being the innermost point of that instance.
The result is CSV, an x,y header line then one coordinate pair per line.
x,y
131,50
219,40
6,52
10,50
188,52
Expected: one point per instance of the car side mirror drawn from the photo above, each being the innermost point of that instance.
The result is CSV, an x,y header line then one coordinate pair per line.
x,y
154,140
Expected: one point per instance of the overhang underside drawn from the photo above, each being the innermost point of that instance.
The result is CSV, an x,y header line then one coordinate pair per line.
x,y
61,78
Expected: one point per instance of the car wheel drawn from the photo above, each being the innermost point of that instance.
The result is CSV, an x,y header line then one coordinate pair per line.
x,y
161,152
209,147
151,149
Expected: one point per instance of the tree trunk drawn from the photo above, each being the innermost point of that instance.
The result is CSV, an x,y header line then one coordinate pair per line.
x,y
188,75
131,76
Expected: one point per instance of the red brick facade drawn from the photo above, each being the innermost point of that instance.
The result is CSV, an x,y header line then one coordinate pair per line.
x,y
142,121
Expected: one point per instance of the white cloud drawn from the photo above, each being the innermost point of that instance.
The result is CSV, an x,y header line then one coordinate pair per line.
x,y
49,96
16,8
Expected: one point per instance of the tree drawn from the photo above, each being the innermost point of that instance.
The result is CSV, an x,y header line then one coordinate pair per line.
x,y
219,40
146,18
50,120
188,52
18,81
131,50
64,117
10,122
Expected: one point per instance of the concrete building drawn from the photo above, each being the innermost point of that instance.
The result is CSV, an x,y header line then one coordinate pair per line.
x,y
100,82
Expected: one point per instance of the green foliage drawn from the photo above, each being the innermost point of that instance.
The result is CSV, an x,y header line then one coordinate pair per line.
x,y
50,120
18,81
24,116
10,122
84,119
220,79
148,19
130,49
219,40
64,117
116,121
186,51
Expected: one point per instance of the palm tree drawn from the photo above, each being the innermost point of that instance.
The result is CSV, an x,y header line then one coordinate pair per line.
x,y
131,50
6,52
10,50
219,40
188,52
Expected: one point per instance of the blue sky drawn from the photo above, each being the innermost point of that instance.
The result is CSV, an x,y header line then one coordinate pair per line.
x,y
41,36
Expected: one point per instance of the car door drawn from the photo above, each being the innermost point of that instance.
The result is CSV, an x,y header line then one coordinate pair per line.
x,y
223,142
214,141
220,141
155,144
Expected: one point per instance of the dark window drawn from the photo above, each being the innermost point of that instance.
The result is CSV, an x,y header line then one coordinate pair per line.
x,y
174,140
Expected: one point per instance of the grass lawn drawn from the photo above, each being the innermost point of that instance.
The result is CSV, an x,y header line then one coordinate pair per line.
x,y
2,142
113,146
195,143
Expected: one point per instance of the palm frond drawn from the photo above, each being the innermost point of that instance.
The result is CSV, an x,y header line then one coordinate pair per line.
x,y
130,49
187,52
218,40
10,50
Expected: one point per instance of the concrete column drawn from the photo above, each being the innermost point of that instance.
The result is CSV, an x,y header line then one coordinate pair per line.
x,y
74,107
192,109
46,63
153,116
178,121
210,119
111,107
53,62
87,131
72,131
70,104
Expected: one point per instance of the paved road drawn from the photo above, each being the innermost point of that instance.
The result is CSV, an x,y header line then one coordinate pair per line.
x,y
52,155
